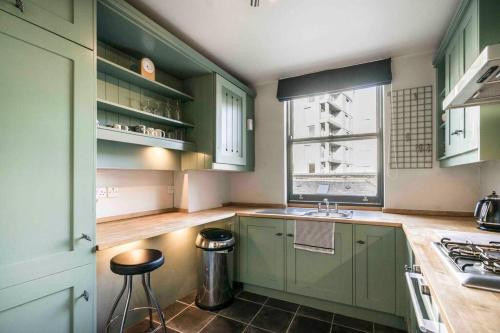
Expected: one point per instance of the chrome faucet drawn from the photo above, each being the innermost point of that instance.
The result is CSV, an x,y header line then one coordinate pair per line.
x,y
327,204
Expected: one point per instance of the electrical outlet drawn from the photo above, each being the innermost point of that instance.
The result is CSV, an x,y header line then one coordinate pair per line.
x,y
170,189
101,193
113,192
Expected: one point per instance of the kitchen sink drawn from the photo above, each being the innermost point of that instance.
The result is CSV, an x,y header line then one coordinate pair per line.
x,y
333,215
312,212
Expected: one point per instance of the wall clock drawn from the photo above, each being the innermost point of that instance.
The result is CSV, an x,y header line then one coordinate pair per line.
x,y
147,68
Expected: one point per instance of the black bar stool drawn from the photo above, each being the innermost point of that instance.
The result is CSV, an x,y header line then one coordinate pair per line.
x,y
128,264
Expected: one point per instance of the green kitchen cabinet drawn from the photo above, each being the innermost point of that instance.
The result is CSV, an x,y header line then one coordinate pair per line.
x,y
58,303
71,19
220,113
262,252
47,145
319,275
375,267
467,134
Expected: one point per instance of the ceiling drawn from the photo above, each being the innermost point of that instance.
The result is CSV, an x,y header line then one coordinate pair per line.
x,y
283,38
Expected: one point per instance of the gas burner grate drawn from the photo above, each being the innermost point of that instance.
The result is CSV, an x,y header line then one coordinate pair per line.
x,y
467,255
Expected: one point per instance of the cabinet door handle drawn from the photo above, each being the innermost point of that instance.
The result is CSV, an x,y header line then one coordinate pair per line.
x,y
20,5
456,132
360,242
86,237
85,295
279,234
289,235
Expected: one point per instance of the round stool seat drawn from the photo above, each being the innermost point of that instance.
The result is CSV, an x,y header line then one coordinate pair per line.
x,y
138,261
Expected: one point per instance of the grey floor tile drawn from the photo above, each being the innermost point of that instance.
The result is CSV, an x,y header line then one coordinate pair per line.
x,y
241,310
252,297
143,327
283,305
223,325
385,329
358,324
304,324
315,313
272,319
252,329
170,311
191,320
342,329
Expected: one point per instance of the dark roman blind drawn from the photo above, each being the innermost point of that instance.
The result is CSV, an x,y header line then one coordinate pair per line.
x,y
353,77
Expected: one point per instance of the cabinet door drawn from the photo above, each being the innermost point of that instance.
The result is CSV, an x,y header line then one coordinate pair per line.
x,y
47,143
262,252
375,267
51,304
231,118
320,275
71,19
455,130
469,34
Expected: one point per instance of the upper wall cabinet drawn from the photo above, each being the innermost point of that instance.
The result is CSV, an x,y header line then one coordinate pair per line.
x,y
470,134
221,113
71,19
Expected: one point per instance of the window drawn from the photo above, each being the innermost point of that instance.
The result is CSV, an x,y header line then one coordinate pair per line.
x,y
348,151
311,130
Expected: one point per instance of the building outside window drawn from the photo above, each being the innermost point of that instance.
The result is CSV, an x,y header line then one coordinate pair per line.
x,y
343,163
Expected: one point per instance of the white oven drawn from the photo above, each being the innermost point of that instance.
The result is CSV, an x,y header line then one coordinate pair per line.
x,y
425,311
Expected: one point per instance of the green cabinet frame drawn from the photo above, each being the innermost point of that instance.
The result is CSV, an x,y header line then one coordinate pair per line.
x,y
319,275
219,112
466,135
59,303
48,151
375,267
71,19
262,252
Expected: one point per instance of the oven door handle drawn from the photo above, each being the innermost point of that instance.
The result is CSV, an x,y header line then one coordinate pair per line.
x,y
424,325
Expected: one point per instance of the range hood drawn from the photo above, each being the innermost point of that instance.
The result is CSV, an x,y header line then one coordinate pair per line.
x,y
480,83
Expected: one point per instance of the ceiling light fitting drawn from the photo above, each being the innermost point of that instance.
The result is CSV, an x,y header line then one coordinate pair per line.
x,y
254,3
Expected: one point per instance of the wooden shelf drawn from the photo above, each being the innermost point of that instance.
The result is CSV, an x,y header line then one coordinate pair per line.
x,y
128,111
111,134
125,74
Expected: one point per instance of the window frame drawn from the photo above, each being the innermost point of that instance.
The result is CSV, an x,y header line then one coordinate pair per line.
x,y
378,200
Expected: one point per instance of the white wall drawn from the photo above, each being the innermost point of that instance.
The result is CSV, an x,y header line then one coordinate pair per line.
x,y
455,189
268,183
139,191
198,190
490,177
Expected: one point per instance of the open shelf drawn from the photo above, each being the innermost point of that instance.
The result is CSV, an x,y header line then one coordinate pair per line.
x,y
128,111
125,74
111,134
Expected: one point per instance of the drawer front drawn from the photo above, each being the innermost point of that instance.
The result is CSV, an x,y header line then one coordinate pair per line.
x,y
59,303
71,19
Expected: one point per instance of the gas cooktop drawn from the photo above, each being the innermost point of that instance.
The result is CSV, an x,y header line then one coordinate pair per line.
x,y
475,258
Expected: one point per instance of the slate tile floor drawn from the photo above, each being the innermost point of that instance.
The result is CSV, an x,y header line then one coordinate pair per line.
x,y
252,313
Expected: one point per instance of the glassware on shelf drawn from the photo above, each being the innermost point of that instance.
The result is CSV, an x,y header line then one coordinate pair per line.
x,y
180,134
177,108
150,105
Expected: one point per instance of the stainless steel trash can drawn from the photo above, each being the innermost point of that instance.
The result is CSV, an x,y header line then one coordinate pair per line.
x,y
214,288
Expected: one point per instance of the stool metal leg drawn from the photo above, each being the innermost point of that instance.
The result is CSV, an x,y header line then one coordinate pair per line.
x,y
127,304
118,298
150,310
153,299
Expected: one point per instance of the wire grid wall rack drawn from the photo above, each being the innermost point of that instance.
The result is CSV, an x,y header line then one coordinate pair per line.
x,y
411,128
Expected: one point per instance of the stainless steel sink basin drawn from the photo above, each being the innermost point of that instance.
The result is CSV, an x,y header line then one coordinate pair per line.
x,y
312,212
339,215
297,211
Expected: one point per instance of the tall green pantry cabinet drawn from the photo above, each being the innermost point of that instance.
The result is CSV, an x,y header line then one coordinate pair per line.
x,y
47,170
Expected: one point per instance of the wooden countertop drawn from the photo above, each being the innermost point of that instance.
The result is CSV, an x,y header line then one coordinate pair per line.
x,y
463,309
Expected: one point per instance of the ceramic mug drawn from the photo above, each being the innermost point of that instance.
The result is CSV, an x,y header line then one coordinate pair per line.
x,y
120,127
159,133
140,129
150,131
